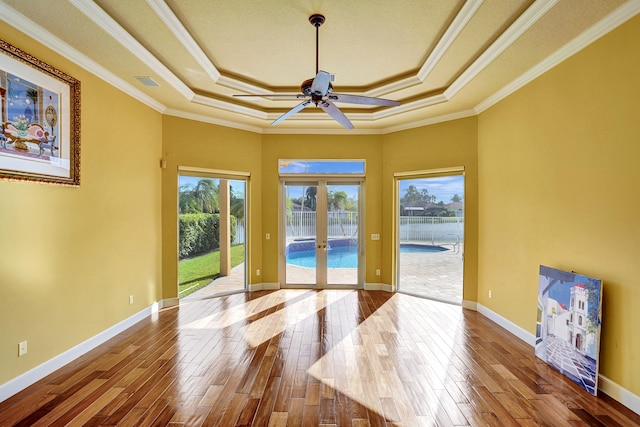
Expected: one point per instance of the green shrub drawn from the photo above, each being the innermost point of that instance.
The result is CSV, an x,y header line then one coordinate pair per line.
x,y
200,233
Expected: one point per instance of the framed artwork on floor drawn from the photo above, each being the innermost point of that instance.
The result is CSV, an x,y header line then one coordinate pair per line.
x,y
568,325
40,122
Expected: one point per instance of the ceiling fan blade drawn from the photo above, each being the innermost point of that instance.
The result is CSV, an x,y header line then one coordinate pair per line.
x,y
358,99
320,85
291,112
331,109
272,95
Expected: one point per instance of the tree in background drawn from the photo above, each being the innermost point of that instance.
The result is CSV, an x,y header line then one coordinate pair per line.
x,y
412,195
337,200
236,205
201,198
310,198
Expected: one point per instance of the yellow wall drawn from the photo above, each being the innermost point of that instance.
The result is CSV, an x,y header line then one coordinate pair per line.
x,y
443,145
203,145
71,256
559,184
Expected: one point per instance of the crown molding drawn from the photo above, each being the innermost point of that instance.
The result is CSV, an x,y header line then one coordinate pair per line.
x,y
94,12
35,31
320,131
506,39
211,120
601,28
462,19
431,121
178,30
223,105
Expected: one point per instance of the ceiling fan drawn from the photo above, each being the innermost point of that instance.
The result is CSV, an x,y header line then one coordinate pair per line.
x,y
319,91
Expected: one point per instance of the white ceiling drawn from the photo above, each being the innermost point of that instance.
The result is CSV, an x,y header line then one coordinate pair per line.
x,y
442,59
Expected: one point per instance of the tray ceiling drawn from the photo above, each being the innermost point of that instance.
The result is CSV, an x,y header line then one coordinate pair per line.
x,y
441,59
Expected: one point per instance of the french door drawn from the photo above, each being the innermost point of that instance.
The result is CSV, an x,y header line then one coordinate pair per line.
x,y
321,238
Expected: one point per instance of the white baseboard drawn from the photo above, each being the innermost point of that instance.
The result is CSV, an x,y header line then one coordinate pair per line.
x,y
616,391
169,302
470,305
378,287
34,375
619,393
264,287
516,330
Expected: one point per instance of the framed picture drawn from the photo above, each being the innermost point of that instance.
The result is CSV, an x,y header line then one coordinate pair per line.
x,y
568,328
40,123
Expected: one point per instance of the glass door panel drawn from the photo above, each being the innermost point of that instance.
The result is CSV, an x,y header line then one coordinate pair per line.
x,y
211,235
342,234
300,235
431,237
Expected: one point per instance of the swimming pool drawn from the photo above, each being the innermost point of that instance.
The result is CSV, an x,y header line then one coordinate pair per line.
x,y
415,248
347,256
340,257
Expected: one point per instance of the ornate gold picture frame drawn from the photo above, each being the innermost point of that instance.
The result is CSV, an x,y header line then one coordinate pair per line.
x,y
40,122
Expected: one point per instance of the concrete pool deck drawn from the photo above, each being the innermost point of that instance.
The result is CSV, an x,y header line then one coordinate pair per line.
x,y
435,275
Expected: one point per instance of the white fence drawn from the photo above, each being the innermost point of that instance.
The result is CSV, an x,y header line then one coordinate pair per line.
x,y
240,232
339,224
412,228
431,229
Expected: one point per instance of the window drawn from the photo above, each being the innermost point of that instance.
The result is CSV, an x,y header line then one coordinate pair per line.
x,y
321,167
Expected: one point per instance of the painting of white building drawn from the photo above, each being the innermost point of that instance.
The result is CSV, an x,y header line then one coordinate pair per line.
x,y
568,326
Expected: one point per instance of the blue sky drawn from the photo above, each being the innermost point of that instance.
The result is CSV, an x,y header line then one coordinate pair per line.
x,y
443,187
321,167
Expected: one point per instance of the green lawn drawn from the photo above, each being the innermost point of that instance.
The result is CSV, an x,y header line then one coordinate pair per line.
x,y
197,272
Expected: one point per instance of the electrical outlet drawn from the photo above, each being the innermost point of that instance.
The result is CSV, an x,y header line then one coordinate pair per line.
x,y
257,272
377,271
490,294
130,299
22,348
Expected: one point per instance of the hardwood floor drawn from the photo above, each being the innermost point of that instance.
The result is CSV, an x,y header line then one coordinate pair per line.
x,y
295,357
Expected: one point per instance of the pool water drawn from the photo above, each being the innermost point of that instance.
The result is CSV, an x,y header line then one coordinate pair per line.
x,y
413,248
347,256
340,257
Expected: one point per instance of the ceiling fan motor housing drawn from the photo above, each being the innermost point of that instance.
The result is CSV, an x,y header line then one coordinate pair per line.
x,y
316,20
305,88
